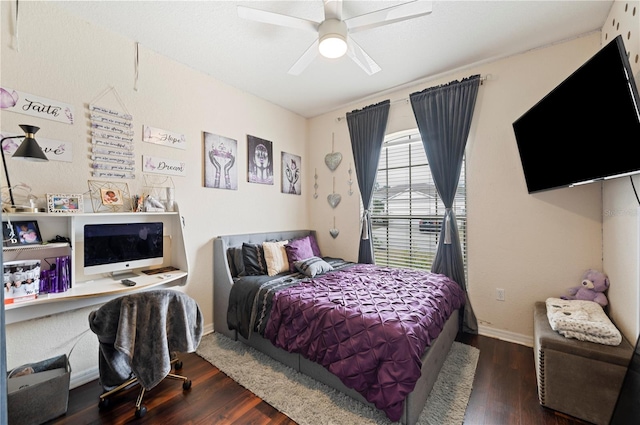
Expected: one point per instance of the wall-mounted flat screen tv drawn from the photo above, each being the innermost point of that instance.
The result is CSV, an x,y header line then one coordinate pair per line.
x,y
586,129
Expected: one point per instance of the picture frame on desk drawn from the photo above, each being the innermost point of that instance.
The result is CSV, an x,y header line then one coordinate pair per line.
x,y
65,203
111,196
26,232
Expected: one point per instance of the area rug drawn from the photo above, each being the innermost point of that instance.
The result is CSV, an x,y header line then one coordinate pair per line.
x,y
309,402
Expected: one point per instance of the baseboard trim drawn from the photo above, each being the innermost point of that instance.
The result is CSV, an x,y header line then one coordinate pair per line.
x,y
506,335
83,377
207,329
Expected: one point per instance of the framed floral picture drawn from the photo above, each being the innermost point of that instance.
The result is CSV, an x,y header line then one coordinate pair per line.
x,y
65,203
291,173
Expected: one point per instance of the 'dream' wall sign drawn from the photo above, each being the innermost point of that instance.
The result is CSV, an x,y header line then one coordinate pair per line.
x,y
155,165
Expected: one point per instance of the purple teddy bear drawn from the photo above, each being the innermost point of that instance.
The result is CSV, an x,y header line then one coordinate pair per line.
x,y
594,283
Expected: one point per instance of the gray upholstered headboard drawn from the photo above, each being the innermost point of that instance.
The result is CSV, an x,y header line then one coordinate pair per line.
x,y
222,280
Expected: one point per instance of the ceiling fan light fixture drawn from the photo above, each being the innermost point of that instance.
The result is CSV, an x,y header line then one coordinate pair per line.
x,y
333,38
332,47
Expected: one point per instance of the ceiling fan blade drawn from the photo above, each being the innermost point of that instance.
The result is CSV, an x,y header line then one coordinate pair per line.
x,y
277,19
307,57
389,15
359,56
333,9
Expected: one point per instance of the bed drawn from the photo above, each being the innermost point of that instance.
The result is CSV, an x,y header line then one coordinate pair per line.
x,y
412,402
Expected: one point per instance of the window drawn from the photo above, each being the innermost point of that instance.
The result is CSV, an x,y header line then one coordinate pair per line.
x,y
406,212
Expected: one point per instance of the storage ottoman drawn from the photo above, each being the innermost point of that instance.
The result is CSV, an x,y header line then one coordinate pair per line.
x,y
579,378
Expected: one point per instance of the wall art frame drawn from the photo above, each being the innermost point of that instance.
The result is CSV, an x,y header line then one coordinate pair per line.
x,y
291,173
220,162
259,160
64,203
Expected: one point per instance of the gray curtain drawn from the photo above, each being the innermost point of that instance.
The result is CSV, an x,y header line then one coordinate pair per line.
x,y
366,129
444,116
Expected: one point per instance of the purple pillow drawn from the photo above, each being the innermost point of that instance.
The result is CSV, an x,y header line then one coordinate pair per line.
x,y
298,250
314,246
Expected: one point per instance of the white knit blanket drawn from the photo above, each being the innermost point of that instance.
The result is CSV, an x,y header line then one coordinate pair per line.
x,y
582,320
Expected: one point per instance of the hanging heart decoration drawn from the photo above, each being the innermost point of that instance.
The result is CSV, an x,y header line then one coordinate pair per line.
x,y
350,182
333,159
334,232
334,198
315,185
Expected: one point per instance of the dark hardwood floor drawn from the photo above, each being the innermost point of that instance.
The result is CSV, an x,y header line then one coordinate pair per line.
x,y
504,392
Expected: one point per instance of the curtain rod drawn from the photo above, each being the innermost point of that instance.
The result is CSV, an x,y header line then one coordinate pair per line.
x,y
406,99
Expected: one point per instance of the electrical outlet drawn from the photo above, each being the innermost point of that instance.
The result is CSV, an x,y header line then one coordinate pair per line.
x,y
499,294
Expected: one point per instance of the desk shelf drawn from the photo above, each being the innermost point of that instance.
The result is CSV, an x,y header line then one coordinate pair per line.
x,y
27,248
87,290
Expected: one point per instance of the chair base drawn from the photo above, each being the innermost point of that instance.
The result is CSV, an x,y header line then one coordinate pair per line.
x,y
141,409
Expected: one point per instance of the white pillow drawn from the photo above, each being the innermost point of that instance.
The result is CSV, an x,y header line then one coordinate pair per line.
x,y
276,257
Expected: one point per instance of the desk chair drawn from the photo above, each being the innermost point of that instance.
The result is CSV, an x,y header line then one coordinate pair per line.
x,y
139,336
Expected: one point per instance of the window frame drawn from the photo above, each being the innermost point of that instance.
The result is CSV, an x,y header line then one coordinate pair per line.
x,y
418,255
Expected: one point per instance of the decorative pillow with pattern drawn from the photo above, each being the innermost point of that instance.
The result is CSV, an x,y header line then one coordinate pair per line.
x,y
253,259
313,266
276,257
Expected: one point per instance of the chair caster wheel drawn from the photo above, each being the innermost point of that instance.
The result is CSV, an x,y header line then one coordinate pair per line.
x,y
178,365
103,403
141,411
186,384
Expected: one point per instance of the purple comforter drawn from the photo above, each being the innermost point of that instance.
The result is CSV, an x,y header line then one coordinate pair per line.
x,y
369,325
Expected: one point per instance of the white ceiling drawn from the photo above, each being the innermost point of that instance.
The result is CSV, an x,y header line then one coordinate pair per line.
x,y
255,57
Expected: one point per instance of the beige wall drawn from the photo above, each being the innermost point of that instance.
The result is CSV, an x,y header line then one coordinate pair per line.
x,y
65,59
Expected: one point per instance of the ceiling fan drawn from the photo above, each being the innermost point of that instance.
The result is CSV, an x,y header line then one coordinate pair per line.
x,y
333,33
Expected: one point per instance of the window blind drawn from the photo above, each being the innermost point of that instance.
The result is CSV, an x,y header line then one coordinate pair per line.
x,y
406,212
